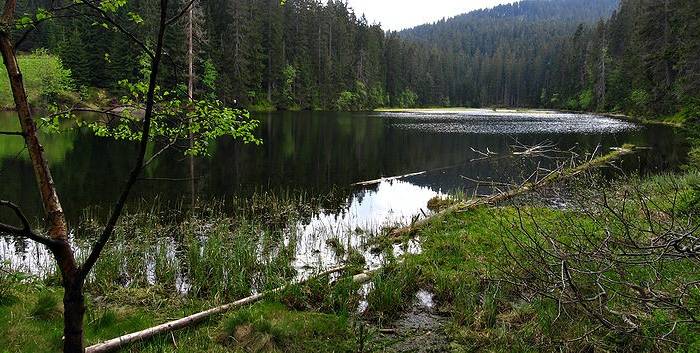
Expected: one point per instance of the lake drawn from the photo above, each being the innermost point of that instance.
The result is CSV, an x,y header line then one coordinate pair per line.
x,y
365,169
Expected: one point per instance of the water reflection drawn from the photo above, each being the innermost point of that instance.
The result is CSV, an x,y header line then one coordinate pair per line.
x,y
317,154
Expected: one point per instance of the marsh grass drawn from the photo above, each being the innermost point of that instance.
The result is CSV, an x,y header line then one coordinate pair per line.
x,y
393,288
469,257
340,297
216,257
272,327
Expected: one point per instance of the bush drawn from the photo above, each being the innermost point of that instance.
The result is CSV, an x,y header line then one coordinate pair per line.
x,y
639,99
360,98
407,99
585,99
45,79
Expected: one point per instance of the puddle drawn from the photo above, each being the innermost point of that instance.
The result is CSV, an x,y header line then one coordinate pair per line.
x,y
420,329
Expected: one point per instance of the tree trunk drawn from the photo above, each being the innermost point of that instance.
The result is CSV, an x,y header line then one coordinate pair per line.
x,y
74,307
190,93
74,310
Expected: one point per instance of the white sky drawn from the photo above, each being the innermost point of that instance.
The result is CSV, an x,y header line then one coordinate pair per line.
x,y
401,14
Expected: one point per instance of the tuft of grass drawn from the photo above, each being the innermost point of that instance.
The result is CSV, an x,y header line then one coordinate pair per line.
x,y
439,203
392,290
271,327
319,295
47,307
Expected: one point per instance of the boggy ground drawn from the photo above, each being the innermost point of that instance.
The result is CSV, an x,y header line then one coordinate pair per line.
x,y
513,278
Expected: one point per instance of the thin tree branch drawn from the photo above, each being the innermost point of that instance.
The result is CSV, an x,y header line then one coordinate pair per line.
x,y
138,167
103,15
26,229
181,13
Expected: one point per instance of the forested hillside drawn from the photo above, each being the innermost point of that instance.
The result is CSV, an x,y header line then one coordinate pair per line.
x,y
509,55
635,56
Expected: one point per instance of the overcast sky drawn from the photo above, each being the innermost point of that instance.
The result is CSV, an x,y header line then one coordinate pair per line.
x,y
401,14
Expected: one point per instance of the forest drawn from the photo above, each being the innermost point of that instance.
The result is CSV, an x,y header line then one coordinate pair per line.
x,y
266,176
639,57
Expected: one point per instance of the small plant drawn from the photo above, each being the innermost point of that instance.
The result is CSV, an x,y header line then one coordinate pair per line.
x,y
337,246
393,290
46,307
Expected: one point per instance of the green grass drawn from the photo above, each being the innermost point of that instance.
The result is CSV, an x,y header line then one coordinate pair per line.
x,y
464,260
272,327
33,322
467,254
45,78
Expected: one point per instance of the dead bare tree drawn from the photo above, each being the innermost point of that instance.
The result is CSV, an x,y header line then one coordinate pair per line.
x,y
619,254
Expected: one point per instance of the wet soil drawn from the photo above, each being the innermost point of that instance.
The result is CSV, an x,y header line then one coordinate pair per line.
x,y
419,330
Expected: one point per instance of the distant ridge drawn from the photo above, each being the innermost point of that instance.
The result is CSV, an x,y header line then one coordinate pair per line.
x,y
569,13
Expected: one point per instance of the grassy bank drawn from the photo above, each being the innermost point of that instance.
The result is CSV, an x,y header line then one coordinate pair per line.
x,y
496,272
45,79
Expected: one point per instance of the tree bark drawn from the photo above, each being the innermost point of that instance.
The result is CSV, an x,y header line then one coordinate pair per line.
x,y
74,305
74,311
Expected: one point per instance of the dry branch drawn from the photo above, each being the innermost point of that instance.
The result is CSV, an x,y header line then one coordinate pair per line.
x,y
555,176
119,342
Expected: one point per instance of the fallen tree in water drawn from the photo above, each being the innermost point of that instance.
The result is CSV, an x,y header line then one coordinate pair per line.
x,y
559,174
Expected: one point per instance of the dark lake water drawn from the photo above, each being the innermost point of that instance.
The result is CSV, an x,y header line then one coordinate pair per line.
x,y
316,153
322,153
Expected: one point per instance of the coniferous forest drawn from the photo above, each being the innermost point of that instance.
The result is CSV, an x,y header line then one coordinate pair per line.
x,y
269,176
632,56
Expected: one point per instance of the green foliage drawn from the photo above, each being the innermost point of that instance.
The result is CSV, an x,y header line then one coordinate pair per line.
x,y
175,117
209,78
639,100
289,76
361,98
585,100
45,79
407,99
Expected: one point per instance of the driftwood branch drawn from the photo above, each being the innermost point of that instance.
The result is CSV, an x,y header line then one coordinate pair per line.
x,y
119,342
558,174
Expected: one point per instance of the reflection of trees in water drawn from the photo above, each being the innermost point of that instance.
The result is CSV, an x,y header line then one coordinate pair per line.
x,y
318,155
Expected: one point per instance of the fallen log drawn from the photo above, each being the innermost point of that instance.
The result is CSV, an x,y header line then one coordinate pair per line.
x,y
119,342
560,175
